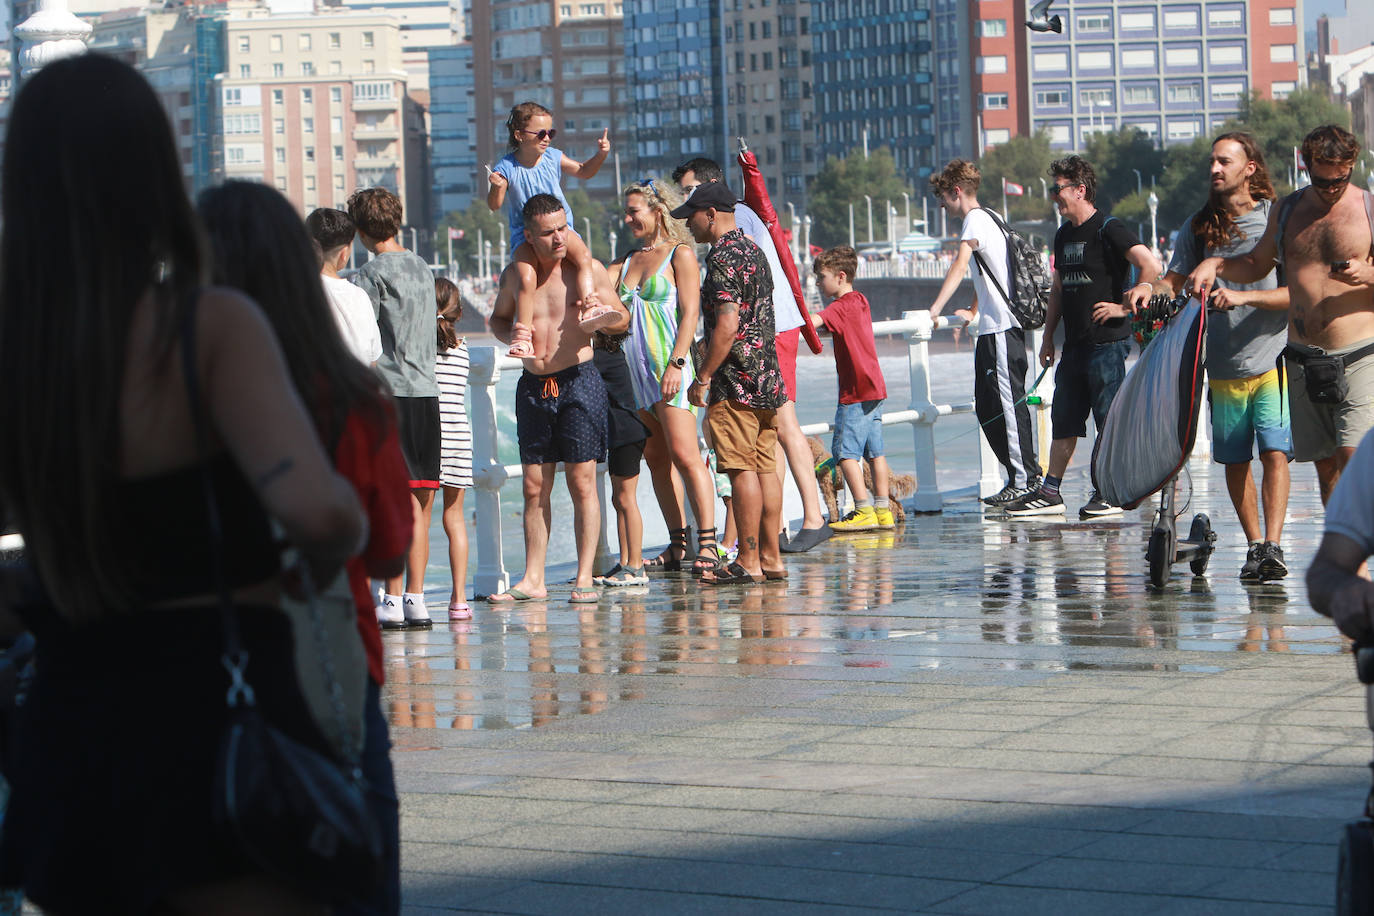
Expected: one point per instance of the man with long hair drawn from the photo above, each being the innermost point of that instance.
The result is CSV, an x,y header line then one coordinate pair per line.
x,y
1322,237
1246,332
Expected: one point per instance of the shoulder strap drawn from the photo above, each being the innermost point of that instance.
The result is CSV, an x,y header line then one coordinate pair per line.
x,y
997,284
1369,213
1285,211
668,260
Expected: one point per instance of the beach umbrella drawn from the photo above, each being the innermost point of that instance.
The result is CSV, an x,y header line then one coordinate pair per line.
x,y
756,196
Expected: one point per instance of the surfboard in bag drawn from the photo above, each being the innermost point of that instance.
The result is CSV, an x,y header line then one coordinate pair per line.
x,y
1152,423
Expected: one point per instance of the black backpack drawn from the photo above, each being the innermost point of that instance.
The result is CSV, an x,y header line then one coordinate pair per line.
x,y
1030,282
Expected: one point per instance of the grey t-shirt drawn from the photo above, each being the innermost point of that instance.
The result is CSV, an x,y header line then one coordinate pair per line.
x,y
1243,342
402,292
1350,511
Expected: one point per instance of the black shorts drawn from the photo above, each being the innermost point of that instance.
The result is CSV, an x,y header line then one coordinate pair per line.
x,y
417,425
561,417
623,460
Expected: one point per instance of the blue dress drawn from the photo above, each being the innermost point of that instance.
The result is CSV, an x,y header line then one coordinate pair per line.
x,y
545,178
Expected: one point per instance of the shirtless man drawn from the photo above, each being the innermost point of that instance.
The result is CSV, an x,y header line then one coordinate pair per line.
x,y
1324,247
560,401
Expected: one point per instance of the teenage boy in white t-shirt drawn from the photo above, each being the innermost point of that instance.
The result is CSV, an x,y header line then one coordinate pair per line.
x,y
333,231
999,358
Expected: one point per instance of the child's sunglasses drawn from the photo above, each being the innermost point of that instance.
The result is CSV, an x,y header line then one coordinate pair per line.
x,y
539,135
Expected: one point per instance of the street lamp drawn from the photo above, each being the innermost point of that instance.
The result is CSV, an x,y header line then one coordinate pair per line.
x,y
907,197
869,201
486,261
1044,189
1153,201
851,225
892,228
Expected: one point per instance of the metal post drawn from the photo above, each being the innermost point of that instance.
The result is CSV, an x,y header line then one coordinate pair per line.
x,y
587,229
907,228
892,228
1153,200
927,498
868,201
851,225
488,473
618,185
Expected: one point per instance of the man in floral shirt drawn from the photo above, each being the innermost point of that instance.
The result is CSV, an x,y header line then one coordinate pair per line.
x,y
739,381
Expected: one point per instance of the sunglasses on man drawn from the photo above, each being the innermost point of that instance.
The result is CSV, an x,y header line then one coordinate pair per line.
x,y
539,135
1326,184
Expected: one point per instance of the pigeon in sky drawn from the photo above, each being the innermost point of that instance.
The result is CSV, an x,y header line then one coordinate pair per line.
x,y
1041,21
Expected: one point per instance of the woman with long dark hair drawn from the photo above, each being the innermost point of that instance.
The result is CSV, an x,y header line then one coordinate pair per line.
x,y
102,279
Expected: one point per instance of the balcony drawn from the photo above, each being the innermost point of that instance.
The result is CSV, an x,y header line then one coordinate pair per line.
x,y
374,162
364,134
383,104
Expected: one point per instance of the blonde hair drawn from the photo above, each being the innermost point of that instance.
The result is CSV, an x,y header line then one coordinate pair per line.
x,y
662,197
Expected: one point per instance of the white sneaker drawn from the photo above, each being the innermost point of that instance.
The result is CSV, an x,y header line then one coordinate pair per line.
x,y
416,614
389,613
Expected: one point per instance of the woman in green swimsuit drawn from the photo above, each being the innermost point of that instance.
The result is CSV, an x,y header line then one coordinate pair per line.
x,y
660,285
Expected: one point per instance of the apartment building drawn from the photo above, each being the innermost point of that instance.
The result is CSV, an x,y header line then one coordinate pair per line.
x,y
982,93
676,83
768,78
874,80
569,57
424,24
315,105
453,107
1175,69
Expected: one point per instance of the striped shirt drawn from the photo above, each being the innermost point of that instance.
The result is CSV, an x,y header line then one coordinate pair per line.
x,y
455,435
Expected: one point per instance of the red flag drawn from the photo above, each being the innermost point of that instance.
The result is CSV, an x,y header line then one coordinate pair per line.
x,y
455,233
1012,189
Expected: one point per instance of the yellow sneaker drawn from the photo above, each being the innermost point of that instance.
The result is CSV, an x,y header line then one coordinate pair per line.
x,y
862,519
884,516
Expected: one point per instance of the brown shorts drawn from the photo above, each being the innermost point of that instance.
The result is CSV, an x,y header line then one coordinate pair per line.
x,y
743,437
786,344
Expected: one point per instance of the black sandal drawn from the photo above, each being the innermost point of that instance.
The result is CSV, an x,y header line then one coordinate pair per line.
x,y
734,574
678,540
707,544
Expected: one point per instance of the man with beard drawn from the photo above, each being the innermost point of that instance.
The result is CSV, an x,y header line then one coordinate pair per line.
x,y
1321,238
1246,331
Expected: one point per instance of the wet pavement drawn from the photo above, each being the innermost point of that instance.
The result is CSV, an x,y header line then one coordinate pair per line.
x,y
969,715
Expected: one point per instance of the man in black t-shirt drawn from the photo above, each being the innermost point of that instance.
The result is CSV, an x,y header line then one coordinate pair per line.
x,y
1093,257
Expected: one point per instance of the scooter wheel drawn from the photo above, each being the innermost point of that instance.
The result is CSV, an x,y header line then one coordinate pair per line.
x,y
1355,870
1201,535
1161,556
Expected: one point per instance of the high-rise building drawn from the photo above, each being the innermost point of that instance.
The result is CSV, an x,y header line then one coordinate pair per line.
x,y
1352,30
314,105
453,126
981,87
874,80
768,73
567,56
676,80
1175,69
424,24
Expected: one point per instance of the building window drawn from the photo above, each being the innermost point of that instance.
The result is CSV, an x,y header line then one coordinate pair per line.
x,y
280,181
338,182
280,153
335,94
1187,92
307,97
1094,23
1134,22
992,28
565,11
308,125
1094,60
338,154
1183,130
1282,54
1180,19
996,136
1101,98
1281,17
1227,92
369,66
303,41
1059,134
373,92
279,69
367,40
335,68
334,42
278,125
1051,61
993,101
1051,98
1226,55
1281,89
233,97
307,68
1140,95
310,154
1224,19
245,71
310,182
242,44
1138,58
996,63
336,125
1182,57
274,44
278,96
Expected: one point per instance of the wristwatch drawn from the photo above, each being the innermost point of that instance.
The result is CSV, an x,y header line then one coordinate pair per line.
x,y
679,362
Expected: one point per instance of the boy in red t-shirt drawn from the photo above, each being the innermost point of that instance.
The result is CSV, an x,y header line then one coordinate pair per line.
x,y
859,415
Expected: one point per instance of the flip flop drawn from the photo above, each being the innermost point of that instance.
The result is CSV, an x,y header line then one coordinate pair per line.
x,y
584,596
734,574
774,575
512,596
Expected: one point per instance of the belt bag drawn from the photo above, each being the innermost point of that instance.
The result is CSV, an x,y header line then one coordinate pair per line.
x,y
1324,374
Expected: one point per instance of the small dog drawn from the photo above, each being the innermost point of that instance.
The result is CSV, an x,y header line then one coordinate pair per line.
x,y
830,481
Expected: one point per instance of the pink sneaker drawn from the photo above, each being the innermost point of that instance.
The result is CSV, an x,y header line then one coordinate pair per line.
x,y
459,610
596,317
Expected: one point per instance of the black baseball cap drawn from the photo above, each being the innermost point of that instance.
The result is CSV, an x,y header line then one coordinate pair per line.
x,y
705,196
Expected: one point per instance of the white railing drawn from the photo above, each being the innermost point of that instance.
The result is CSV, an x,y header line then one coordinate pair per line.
x,y
904,267
921,415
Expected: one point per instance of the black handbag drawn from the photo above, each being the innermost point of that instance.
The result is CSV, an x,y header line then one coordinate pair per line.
x,y
298,814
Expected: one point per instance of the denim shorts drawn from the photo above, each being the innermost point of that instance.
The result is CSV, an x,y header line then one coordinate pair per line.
x,y
1085,383
858,431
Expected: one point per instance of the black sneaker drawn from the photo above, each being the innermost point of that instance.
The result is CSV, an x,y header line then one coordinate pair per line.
x,y
1271,565
1097,507
1010,493
1036,503
1250,572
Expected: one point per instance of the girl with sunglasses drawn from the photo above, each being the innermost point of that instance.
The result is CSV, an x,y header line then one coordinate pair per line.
x,y
533,167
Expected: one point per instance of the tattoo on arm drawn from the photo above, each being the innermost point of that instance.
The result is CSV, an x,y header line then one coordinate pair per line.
x,y
282,467
727,308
